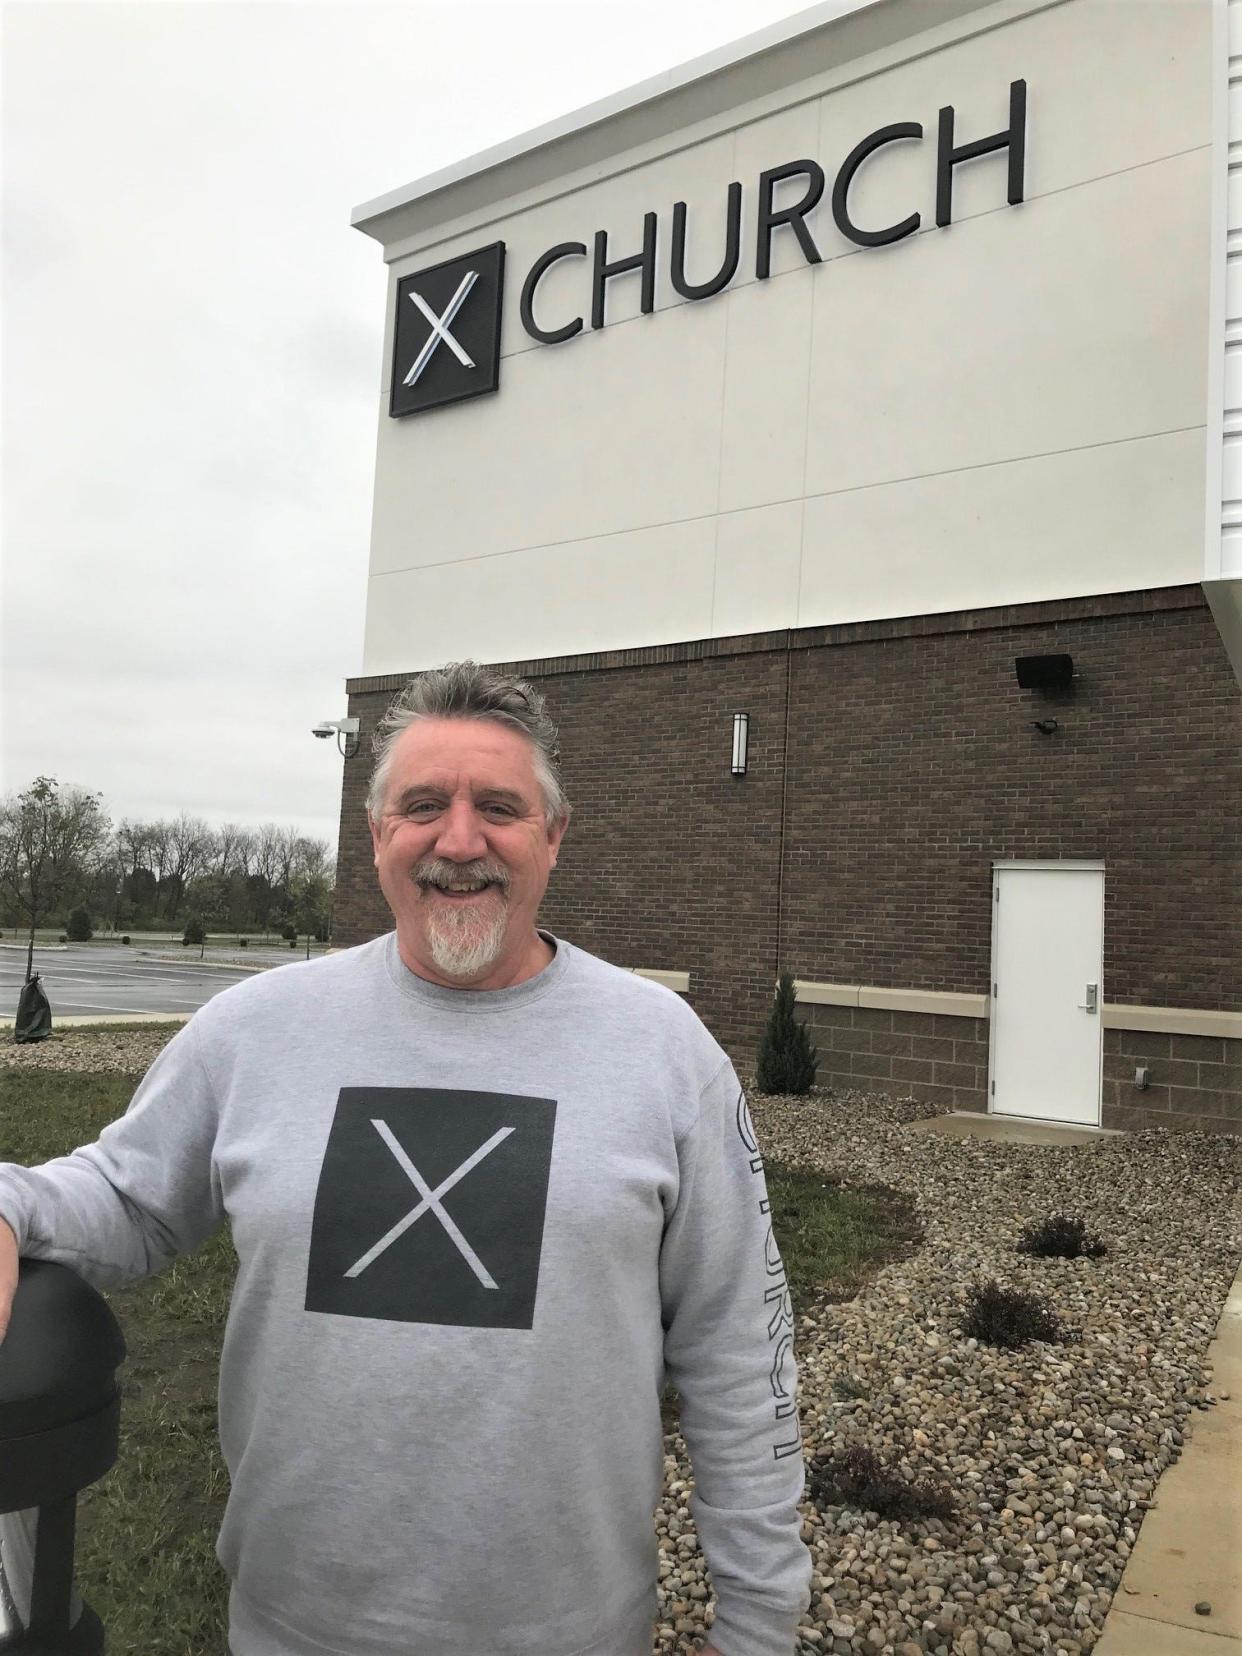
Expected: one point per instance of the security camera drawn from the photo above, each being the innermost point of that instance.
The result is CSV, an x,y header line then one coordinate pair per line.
x,y
345,731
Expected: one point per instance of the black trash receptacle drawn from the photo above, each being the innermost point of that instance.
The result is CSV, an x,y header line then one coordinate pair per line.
x,y
60,1415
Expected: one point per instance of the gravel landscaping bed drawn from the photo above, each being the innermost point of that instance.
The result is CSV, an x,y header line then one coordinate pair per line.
x,y
123,1052
1052,1452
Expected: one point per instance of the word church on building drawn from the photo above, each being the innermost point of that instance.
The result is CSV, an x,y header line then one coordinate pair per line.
x,y
844,432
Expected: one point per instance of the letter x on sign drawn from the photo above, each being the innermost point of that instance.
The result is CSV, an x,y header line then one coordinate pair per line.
x,y
440,327
446,333
431,1200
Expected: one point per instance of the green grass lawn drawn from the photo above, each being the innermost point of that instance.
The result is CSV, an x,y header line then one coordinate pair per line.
x,y
146,1532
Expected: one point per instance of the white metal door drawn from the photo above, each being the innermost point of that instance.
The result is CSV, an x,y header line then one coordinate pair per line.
x,y
1047,990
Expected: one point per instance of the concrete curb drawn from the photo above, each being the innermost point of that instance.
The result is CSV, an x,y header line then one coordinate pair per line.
x,y
1189,1549
206,965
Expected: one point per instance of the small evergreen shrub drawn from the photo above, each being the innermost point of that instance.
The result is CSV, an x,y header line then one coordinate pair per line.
x,y
787,1060
1060,1238
858,1478
125,939
62,938
1008,1317
242,942
78,927
289,933
194,932
293,942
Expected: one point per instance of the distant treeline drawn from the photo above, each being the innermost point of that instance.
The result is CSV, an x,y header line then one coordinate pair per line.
x,y
60,851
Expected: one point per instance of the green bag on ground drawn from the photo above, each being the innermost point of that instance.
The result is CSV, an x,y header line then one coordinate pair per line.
x,y
34,1013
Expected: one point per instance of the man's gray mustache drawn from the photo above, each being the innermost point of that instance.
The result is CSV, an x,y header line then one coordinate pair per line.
x,y
441,874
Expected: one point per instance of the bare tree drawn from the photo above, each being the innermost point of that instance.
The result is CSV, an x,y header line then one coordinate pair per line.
x,y
267,854
227,855
289,842
311,889
264,881
133,841
313,859
49,840
189,844
245,853
159,856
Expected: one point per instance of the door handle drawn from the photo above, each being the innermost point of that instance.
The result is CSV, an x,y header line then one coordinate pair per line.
x,y
1093,995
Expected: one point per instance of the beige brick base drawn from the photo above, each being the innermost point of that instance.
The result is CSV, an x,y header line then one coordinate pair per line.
x,y
1195,1080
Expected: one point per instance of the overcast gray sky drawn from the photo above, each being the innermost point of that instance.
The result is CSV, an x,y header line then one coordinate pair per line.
x,y
191,338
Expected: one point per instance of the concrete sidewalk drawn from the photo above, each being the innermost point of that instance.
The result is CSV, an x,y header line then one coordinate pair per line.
x,y
1189,1547
1016,1129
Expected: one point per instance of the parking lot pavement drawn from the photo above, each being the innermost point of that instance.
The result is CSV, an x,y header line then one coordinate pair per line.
x,y
84,982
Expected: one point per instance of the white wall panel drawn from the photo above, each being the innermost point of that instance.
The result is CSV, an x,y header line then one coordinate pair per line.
x,y
1231,478
763,444
791,135
1233,287
1067,328
1222,561
1082,62
1235,198
623,433
698,174
1014,347
1078,127
758,557
651,587
1113,519
1233,380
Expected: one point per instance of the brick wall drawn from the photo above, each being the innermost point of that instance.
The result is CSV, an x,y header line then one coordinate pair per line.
x,y
914,764
890,763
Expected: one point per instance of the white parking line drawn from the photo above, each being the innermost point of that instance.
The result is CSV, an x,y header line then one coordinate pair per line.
x,y
83,983
81,1008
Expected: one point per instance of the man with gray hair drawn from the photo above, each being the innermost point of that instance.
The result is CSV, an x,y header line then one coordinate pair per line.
x,y
487,1194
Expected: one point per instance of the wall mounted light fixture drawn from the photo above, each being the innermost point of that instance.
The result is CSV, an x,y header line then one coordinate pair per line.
x,y
1045,672
741,723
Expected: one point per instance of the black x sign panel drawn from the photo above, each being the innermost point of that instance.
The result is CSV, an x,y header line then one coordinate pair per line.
x,y
430,1207
446,331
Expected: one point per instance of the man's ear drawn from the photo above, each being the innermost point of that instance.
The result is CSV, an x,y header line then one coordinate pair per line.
x,y
556,833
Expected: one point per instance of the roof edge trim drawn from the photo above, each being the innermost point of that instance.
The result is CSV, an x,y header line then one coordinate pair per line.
x,y
753,45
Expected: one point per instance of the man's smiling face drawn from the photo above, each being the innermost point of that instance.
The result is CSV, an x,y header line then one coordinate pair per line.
x,y
463,852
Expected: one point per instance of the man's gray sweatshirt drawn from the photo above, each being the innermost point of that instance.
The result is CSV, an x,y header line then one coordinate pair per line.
x,y
476,1232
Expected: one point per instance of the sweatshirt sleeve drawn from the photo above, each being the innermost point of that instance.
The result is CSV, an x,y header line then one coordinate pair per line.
x,y
728,1349
146,1190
